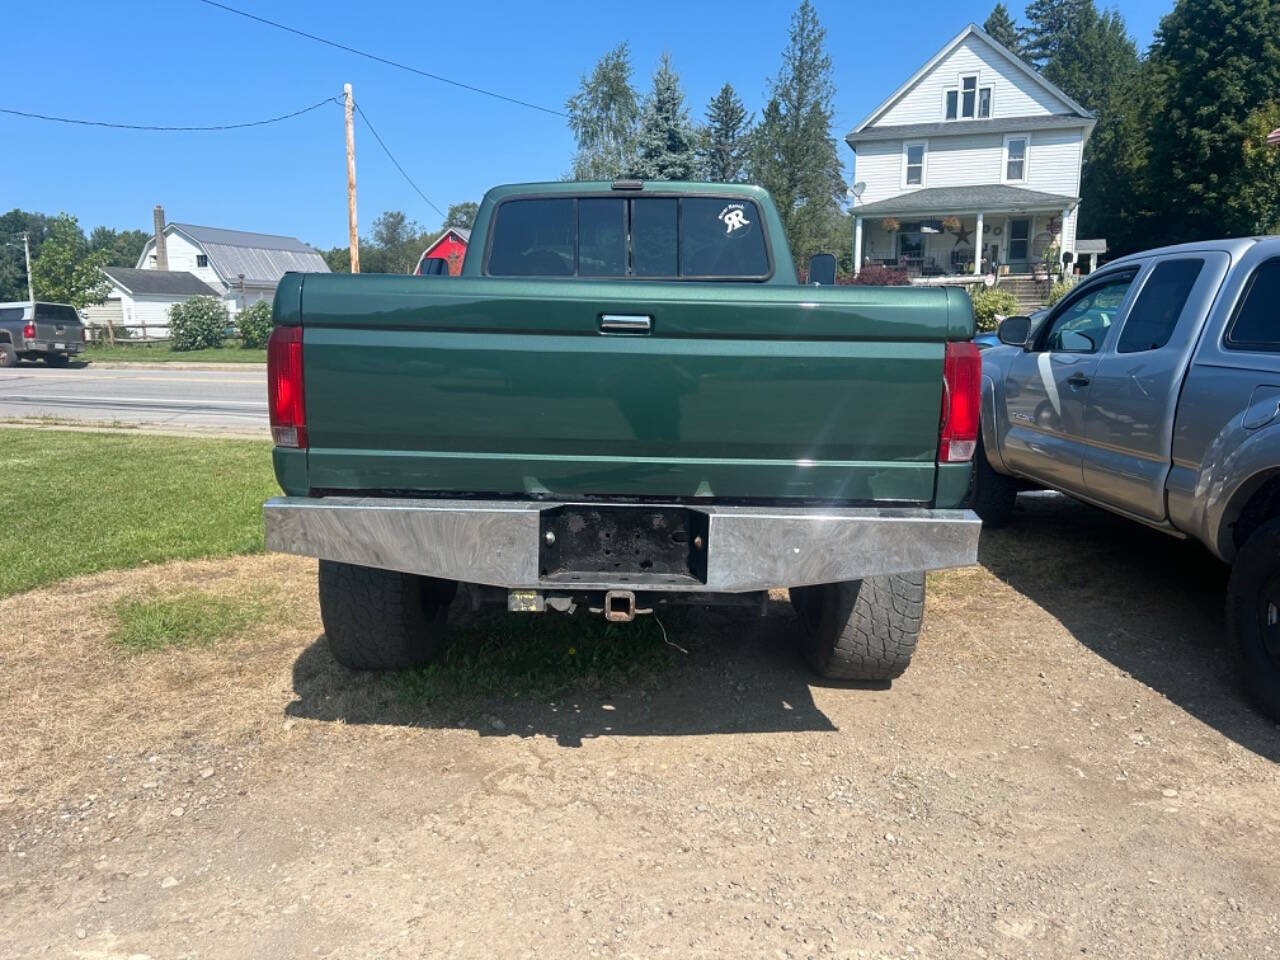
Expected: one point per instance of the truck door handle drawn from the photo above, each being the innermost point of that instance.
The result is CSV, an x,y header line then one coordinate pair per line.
x,y
625,323
1078,380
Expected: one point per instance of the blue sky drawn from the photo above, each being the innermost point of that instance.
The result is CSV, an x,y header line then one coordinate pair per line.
x,y
182,62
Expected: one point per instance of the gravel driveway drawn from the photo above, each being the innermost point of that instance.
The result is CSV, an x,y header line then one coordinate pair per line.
x,y
1066,770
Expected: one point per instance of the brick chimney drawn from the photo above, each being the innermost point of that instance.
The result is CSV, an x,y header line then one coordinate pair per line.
x,y
162,254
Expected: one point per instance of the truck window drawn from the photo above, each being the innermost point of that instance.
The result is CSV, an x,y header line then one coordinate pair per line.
x,y
719,238
1082,324
653,236
56,313
1256,325
602,237
1155,313
534,238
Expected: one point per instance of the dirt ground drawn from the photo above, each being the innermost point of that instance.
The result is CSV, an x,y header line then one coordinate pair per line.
x,y
1067,769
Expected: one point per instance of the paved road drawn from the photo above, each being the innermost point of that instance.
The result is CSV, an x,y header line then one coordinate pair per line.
x,y
232,400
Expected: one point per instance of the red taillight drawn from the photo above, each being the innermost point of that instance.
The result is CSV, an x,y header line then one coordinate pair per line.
x,y
285,394
29,331
961,402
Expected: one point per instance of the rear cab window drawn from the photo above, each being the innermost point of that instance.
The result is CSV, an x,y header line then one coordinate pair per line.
x,y
1256,323
1155,313
641,237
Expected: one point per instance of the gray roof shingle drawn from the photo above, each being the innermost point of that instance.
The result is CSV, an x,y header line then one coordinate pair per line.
x,y
177,283
985,198
908,131
261,257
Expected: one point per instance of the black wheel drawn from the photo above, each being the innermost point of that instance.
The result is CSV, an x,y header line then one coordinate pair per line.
x,y
994,494
7,357
861,629
382,619
1253,616
56,359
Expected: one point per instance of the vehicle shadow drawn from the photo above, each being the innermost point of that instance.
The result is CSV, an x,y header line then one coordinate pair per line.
x,y
1150,604
741,674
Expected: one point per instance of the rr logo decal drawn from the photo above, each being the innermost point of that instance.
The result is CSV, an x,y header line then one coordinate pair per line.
x,y
734,217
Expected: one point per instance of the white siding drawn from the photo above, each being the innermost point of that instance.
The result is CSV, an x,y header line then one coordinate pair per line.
x,y
963,161
1054,162
182,255
1014,93
879,166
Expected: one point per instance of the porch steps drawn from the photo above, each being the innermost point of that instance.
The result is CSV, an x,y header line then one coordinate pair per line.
x,y
1029,292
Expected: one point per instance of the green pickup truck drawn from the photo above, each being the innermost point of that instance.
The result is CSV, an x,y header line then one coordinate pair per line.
x,y
627,399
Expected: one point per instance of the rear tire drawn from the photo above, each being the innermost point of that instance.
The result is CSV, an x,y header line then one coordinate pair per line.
x,y
1253,616
994,494
861,629
7,357
382,619
56,359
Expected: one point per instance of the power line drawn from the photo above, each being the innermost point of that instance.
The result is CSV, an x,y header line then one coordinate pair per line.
x,y
168,129
383,60
385,149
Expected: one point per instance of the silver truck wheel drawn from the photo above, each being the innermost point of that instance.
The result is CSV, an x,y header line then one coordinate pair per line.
x,y
1253,616
861,629
994,494
7,357
382,619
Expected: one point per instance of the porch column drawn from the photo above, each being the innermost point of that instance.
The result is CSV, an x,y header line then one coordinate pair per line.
x,y
977,248
1062,247
857,246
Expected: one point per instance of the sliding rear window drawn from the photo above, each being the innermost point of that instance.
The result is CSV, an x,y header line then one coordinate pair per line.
x,y
653,237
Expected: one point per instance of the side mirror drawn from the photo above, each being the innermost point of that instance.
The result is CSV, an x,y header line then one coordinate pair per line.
x,y
1014,331
822,269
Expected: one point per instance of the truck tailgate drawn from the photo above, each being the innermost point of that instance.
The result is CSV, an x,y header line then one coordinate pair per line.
x,y
508,387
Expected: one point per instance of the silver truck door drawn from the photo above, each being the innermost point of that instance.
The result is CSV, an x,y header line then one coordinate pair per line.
x,y
1047,385
1134,394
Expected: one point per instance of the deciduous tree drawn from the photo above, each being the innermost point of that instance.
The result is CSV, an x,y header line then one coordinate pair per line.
x,y
66,271
122,247
603,116
461,215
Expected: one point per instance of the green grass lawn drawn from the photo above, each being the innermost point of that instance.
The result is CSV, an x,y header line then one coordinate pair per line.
x,y
83,502
125,352
184,619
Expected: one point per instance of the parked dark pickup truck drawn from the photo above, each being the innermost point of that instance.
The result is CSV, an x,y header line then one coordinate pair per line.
x,y
626,399
52,332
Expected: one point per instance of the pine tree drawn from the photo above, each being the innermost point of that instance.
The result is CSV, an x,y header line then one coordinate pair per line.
x,y
1216,62
666,145
603,115
793,153
728,138
1002,29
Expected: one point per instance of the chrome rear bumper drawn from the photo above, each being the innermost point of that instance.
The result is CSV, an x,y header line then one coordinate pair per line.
x,y
496,542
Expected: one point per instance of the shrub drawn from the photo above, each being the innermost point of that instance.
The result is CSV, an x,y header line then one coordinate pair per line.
x,y
875,275
1059,290
990,303
255,325
199,323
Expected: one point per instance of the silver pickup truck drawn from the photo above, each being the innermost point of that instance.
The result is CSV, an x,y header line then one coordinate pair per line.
x,y
1153,390
52,332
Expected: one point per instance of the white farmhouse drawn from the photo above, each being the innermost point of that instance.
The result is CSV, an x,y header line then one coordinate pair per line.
x,y
972,166
139,300
241,267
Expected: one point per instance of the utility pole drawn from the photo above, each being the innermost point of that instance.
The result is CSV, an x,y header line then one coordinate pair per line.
x,y
26,249
352,231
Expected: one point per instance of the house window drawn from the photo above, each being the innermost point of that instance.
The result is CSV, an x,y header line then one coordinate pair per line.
x,y
1015,159
201,260
913,166
967,101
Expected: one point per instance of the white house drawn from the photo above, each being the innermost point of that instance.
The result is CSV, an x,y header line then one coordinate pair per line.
x,y
140,299
972,165
241,267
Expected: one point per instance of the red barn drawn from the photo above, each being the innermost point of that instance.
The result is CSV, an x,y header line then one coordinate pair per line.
x,y
450,246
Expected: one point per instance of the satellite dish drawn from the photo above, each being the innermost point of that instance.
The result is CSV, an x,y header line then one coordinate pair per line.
x,y
858,189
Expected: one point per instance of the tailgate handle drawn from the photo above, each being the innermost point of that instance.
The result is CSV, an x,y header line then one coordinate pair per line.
x,y
625,323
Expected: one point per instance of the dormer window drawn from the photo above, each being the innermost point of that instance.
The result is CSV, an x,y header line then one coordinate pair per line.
x,y
968,101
